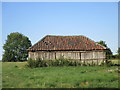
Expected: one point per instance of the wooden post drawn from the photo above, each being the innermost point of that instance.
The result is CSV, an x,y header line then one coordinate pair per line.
x,y
80,56
92,62
55,55
97,61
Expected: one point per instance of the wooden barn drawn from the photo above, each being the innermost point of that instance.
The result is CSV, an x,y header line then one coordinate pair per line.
x,y
71,47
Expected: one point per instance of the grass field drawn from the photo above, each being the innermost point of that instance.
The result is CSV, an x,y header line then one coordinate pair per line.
x,y
115,61
17,75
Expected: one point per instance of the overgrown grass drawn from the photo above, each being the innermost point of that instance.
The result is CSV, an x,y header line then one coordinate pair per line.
x,y
63,62
17,75
115,61
47,63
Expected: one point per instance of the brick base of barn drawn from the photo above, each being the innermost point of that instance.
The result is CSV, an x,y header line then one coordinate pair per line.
x,y
96,57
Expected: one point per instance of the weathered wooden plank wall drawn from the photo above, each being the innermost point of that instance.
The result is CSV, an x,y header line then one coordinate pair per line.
x,y
87,56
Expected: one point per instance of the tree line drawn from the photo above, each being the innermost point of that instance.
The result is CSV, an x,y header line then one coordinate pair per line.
x,y
16,45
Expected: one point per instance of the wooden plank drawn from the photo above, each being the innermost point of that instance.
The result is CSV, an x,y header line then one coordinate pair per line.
x,y
80,56
55,55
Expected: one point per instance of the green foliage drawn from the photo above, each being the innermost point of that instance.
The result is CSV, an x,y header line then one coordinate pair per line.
x,y
31,63
63,62
37,63
116,56
47,63
115,62
109,52
19,76
16,47
102,43
108,63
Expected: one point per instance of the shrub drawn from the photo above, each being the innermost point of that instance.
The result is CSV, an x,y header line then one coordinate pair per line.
x,y
41,63
32,63
106,63
46,63
60,62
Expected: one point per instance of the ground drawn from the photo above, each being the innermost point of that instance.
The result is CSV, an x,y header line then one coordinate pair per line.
x,y
17,75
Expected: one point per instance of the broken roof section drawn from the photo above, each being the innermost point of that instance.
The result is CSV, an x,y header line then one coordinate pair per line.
x,y
51,42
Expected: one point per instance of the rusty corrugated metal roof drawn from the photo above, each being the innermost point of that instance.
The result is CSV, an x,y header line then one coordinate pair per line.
x,y
51,42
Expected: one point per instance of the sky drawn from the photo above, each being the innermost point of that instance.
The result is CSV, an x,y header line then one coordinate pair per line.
x,y
96,20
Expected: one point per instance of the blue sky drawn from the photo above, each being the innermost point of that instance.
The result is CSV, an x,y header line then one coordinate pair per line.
x,y
96,20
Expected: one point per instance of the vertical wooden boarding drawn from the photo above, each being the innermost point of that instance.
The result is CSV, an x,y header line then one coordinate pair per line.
x,y
84,58
49,55
97,61
92,61
92,57
80,56
55,55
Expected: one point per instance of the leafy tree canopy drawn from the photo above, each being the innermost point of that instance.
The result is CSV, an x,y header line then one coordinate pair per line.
x,y
16,47
109,53
102,43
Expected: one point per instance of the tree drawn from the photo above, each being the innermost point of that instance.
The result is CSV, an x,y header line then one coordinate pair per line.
x,y
109,53
15,47
102,43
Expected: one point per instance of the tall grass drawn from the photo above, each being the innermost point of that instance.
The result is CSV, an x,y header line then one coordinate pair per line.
x,y
47,63
17,75
62,62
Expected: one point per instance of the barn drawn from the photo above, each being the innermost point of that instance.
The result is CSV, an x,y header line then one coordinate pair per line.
x,y
79,48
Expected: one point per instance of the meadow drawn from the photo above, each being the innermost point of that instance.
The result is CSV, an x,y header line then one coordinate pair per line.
x,y
18,75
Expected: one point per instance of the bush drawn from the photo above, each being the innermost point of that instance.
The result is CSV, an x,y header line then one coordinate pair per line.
x,y
106,63
46,63
60,62
32,63
37,63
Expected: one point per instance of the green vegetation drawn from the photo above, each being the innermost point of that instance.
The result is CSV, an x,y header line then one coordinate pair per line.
x,y
102,43
18,75
116,56
109,54
16,47
66,62
118,53
58,62
115,61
